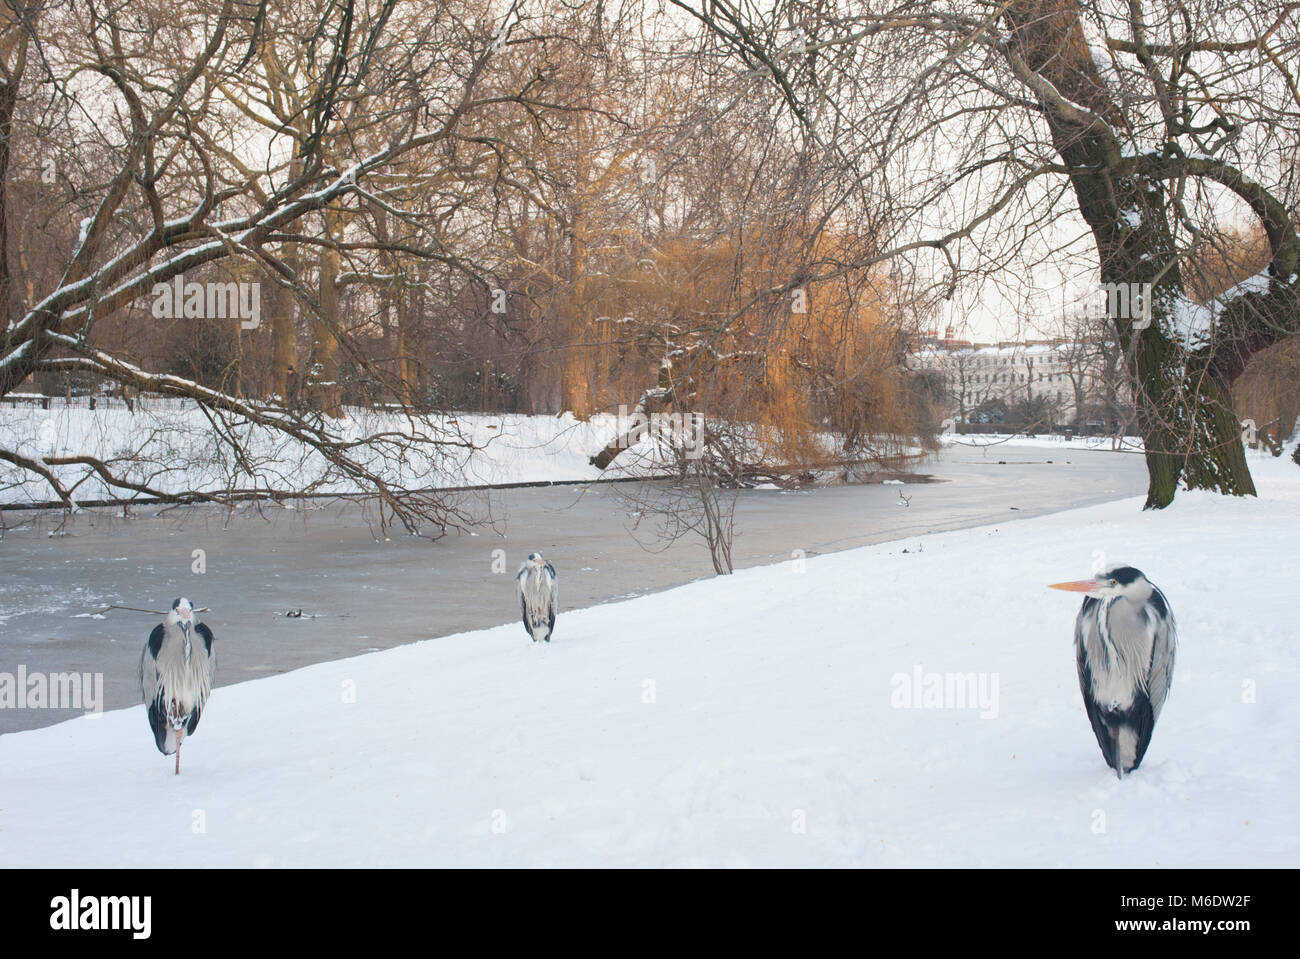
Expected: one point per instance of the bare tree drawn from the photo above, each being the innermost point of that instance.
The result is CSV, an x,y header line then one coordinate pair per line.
x,y
1138,121
699,500
245,136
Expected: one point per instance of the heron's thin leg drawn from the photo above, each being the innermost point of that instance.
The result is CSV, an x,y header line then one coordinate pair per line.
x,y
178,752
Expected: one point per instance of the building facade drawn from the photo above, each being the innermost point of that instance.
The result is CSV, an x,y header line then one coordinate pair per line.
x,y
1056,382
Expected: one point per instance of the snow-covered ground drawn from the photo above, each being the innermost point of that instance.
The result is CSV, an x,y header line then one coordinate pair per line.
x,y
755,719
1042,441
170,445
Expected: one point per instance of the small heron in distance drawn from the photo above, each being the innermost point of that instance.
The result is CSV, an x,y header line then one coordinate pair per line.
x,y
1124,638
176,674
539,596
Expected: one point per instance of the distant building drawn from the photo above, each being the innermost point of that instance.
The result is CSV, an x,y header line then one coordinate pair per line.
x,y
982,380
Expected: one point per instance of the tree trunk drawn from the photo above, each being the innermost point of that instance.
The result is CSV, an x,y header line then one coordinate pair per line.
x,y
327,390
651,402
284,340
1186,420
403,360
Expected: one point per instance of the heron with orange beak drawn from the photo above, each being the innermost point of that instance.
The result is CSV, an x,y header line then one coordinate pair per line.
x,y
1124,640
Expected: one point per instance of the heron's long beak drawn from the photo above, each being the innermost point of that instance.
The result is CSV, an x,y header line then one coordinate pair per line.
x,y
1077,586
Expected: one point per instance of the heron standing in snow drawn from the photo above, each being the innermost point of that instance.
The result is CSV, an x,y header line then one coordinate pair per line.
x,y
539,596
1124,640
176,674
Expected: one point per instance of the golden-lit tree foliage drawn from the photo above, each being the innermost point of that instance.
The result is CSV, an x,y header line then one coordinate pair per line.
x,y
813,371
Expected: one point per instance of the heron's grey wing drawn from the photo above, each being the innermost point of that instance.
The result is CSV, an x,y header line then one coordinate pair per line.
x,y
1164,645
1087,642
149,690
149,663
205,633
193,724
523,600
554,603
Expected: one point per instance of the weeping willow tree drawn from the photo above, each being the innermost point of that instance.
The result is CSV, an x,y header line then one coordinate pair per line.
x,y
787,381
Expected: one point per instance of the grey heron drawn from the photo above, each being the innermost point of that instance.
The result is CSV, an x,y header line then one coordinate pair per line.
x,y
539,596
1125,638
176,674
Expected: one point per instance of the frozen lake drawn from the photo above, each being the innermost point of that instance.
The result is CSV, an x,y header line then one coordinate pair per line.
x,y
359,593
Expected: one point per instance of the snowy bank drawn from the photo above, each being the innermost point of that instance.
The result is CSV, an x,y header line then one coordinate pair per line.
x,y
171,445
764,718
